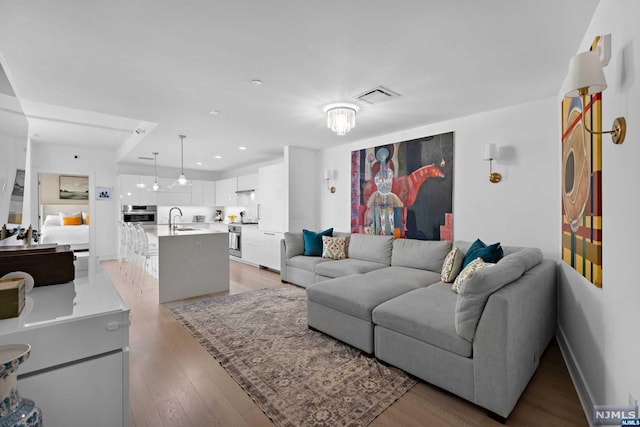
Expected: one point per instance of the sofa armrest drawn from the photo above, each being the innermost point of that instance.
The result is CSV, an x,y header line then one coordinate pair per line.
x,y
516,326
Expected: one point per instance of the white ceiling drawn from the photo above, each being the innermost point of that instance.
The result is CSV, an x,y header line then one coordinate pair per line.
x,y
89,72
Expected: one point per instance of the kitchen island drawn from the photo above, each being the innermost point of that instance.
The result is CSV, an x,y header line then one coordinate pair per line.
x,y
191,262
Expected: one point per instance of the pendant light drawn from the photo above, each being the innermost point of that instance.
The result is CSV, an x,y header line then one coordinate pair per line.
x,y
155,186
182,179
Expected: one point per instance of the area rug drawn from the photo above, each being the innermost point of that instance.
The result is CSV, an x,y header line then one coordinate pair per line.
x,y
297,376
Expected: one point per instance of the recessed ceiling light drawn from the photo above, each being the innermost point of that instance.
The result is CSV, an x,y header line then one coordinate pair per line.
x,y
242,148
218,157
256,82
199,163
214,112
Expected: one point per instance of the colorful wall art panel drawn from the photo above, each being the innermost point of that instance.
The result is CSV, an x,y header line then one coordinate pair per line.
x,y
582,187
404,189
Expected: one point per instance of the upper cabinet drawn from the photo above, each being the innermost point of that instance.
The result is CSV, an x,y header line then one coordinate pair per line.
x,y
226,192
197,192
136,190
208,193
248,182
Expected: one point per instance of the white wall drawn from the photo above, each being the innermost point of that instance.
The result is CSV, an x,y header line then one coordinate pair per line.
x,y
522,210
100,166
601,326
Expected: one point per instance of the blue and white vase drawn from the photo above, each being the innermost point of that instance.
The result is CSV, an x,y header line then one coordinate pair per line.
x,y
15,411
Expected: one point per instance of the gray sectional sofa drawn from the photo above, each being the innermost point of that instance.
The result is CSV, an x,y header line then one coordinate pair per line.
x,y
386,298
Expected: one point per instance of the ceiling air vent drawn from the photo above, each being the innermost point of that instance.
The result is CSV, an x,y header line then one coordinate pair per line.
x,y
377,95
145,158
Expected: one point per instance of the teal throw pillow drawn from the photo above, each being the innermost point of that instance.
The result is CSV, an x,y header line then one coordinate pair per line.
x,y
313,241
492,253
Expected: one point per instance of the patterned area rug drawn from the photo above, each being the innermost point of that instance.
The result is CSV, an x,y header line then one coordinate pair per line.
x,y
297,376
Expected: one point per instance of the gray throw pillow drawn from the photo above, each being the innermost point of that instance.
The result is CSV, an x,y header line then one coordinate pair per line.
x,y
477,289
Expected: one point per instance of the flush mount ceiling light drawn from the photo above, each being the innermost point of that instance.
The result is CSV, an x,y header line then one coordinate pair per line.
x,y
182,179
155,186
341,117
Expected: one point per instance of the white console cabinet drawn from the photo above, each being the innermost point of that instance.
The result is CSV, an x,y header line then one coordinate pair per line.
x,y
78,370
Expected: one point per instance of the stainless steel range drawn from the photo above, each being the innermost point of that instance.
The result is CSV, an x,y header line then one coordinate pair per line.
x,y
235,240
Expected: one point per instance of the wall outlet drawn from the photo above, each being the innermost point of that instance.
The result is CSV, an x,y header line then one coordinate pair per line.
x,y
632,400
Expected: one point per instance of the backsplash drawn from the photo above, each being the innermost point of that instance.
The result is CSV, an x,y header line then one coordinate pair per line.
x,y
187,213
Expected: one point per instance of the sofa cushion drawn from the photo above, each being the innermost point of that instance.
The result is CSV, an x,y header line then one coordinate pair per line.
x,y
294,244
305,262
422,254
345,267
492,253
369,247
425,314
356,295
452,265
412,276
313,241
475,292
334,247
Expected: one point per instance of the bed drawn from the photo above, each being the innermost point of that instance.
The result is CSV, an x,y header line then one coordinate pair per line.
x,y
53,231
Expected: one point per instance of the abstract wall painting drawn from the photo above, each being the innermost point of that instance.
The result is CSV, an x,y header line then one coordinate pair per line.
x,y
582,187
404,189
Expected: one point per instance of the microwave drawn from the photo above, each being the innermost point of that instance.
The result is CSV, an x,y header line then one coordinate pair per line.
x,y
140,214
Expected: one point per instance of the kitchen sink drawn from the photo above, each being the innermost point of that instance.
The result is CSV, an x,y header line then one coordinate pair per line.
x,y
187,228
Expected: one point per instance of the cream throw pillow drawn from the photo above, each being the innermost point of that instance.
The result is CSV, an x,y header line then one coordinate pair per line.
x,y
334,247
452,265
474,266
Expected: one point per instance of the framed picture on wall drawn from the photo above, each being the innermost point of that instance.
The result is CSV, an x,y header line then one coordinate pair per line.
x,y
103,193
74,187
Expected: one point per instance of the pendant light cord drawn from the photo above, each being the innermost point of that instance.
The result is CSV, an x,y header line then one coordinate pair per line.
x,y
182,153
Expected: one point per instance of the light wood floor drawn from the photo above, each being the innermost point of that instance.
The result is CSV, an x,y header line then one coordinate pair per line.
x,y
175,382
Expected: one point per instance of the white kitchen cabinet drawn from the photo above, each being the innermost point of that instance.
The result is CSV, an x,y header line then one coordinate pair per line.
x,y
271,198
208,193
261,247
226,192
197,192
166,186
248,182
129,190
136,190
173,199
146,195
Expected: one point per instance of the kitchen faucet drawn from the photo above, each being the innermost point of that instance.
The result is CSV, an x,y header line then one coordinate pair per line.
x,y
171,210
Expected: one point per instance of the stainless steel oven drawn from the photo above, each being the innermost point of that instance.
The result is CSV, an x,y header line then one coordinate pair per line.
x,y
235,240
140,214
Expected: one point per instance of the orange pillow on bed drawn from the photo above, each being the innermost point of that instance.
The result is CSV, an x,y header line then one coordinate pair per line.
x,y
71,220
86,219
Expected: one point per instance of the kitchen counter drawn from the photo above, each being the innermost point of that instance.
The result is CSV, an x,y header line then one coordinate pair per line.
x,y
163,231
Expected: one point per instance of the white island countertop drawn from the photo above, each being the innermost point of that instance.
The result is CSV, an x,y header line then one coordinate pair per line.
x,y
164,231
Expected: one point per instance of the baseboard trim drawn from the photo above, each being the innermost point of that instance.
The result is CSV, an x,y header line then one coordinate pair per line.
x,y
582,388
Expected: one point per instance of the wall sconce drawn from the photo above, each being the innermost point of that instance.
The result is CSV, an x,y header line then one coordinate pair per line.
x,y
586,78
327,177
491,153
